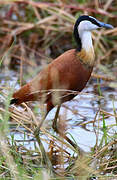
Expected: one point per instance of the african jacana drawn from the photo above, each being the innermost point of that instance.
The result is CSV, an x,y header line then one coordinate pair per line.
x,y
69,71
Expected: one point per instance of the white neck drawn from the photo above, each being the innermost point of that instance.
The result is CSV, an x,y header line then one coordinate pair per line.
x,y
86,40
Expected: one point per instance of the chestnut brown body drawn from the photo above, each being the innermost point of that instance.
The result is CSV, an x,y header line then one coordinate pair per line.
x,y
52,84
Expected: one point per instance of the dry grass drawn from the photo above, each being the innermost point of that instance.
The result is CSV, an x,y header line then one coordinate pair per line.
x,y
33,33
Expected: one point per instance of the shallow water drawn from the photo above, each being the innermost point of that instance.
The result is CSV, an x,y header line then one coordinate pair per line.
x,y
82,111
87,106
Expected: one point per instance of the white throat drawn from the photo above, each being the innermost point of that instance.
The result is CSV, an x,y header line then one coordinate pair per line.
x,y
84,30
86,40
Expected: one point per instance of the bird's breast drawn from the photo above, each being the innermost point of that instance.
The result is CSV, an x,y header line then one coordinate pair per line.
x,y
69,72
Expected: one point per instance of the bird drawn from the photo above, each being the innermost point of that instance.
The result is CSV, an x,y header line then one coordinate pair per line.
x,y
66,74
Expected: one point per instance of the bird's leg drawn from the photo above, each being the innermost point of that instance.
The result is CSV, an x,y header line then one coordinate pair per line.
x,y
37,129
46,160
54,125
56,129
49,107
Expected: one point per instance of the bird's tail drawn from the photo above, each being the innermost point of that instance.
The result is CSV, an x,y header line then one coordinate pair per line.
x,y
22,95
14,101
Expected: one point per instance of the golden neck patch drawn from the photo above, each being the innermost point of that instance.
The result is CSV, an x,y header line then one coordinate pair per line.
x,y
86,57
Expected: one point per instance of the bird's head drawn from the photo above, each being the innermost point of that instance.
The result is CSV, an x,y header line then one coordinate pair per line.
x,y
86,24
89,23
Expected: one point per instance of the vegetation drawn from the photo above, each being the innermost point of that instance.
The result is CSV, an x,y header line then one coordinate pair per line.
x,y
32,33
